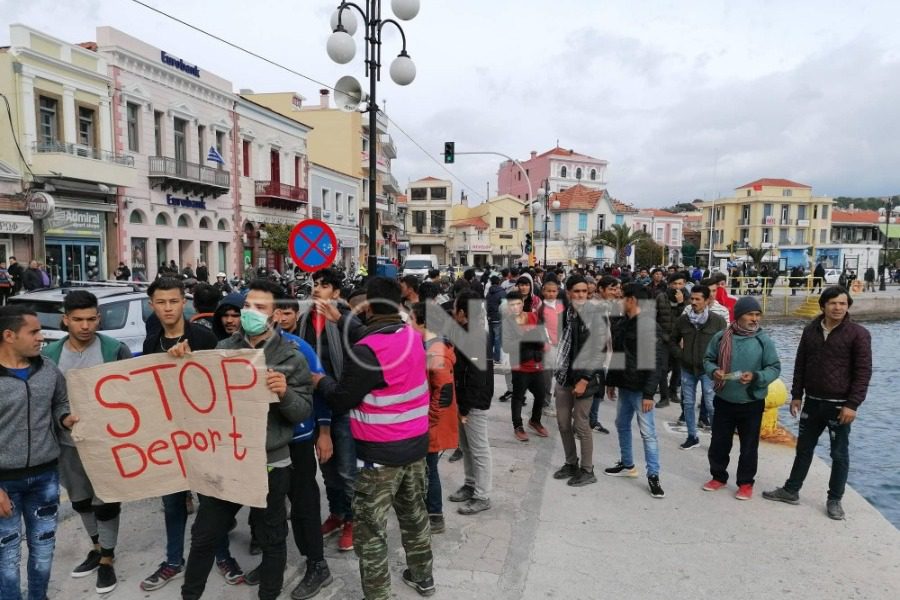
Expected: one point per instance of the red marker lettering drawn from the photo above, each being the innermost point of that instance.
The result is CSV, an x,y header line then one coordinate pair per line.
x,y
232,386
159,385
135,415
212,387
140,453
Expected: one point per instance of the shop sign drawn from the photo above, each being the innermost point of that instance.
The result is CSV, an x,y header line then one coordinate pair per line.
x,y
70,221
480,246
185,202
40,205
16,225
403,246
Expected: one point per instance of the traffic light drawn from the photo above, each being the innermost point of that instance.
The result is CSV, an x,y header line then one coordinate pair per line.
x,y
528,246
449,152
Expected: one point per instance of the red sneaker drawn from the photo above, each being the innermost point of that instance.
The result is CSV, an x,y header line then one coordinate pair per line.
x,y
712,485
331,525
538,429
745,492
345,544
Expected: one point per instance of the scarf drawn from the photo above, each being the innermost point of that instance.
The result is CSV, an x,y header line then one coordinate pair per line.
x,y
698,320
565,347
726,346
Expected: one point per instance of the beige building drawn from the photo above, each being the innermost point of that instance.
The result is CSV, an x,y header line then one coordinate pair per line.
x,y
490,233
429,202
781,215
339,141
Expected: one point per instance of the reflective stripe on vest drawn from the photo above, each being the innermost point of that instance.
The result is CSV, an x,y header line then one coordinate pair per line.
x,y
398,411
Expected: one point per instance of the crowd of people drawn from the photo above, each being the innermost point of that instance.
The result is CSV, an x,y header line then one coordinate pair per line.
x,y
376,383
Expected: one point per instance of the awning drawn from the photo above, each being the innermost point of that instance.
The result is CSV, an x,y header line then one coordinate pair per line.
x,y
895,230
16,224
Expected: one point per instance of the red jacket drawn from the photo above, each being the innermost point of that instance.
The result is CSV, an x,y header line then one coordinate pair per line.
x,y
443,419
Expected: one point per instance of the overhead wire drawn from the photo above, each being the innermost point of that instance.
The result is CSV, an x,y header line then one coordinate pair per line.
x,y
278,65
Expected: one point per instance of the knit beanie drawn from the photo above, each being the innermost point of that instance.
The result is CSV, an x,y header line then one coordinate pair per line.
x,y
744,305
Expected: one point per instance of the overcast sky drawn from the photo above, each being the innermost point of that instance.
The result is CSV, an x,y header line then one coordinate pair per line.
x,y
683,98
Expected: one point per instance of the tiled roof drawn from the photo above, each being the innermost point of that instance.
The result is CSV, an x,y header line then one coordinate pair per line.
x,y
621,207
578,197
476,222
773,183
401,199
565,152
655,212
859,216
429,178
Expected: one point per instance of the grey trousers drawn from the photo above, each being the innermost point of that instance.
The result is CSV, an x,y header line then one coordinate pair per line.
x,y
572,419
473,441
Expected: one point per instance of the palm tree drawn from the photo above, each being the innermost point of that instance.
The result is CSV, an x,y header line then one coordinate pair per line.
x,y
619,237
757,255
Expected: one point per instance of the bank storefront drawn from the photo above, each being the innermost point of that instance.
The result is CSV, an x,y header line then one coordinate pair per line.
x,y
75,244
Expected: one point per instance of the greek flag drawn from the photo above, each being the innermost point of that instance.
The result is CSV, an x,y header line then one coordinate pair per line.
x,y
214,156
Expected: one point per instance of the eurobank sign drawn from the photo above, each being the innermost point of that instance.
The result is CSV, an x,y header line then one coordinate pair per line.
x,y
179,64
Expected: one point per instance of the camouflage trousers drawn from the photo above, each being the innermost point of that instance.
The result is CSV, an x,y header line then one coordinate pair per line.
x,y
376,490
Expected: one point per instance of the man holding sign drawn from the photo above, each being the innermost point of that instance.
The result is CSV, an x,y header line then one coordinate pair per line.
x,y
288,377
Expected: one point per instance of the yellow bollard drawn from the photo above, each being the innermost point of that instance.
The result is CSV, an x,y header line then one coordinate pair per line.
x,y
771,430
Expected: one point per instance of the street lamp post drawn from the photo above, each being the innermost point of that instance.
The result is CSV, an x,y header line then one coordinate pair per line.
x,y
882,286
545,191
341,49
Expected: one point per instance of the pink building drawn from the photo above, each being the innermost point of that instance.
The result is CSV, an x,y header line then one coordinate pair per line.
x,y
562,169
666,229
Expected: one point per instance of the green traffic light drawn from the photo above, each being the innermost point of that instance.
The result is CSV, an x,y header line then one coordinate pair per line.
x,y
449,152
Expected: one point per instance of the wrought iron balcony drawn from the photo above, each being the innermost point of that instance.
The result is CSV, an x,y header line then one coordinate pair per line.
x,y
191,178
83,152
273,194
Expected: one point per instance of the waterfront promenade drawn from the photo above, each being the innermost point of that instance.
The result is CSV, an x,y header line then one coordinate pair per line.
x,y
543,539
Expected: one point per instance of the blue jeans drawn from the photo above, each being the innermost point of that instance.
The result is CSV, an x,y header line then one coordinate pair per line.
x,y
35,499
433,496
494,331
175,512
339,473
628,405
688,402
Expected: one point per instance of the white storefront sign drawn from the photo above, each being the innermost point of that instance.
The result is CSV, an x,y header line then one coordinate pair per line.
x,y
16,225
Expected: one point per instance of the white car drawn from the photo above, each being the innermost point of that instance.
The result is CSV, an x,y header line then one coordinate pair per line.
x,y
832,276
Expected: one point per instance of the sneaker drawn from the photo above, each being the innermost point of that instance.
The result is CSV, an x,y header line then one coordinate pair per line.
x,y
521,435
251,577
505,397
230,570
835,510
457,455
583,477
473,506
549,411
317,576
680,419
106,579
691,442
599,428
704,424
664,402
331,525
437,524
88,565
745,492
566,471
713,485
539,429
161,576
620,470
463,494
425,587
655,489
345,543
782,495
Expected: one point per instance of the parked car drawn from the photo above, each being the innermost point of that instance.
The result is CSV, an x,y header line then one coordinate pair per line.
x,y
832,276
123,312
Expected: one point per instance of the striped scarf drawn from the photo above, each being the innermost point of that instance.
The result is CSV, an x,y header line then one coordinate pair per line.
x,y
726,347
565,347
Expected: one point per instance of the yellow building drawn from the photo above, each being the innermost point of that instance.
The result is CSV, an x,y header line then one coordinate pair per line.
x,y
339,141
489,233
778,214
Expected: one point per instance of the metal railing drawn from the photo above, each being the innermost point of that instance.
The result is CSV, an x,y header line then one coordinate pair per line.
x,y
83,151
281,190
163,166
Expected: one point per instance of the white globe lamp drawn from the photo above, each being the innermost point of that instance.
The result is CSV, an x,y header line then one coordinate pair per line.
x,y
348,21
341,47
403,70
405,9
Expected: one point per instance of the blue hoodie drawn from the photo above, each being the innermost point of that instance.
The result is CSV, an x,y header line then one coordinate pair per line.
x,y
304,430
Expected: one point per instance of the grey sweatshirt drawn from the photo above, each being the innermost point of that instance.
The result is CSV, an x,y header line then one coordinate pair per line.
x,y
31,413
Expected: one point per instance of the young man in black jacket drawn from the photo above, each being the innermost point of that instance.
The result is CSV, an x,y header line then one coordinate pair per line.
x,y
637,338
579,376
473,376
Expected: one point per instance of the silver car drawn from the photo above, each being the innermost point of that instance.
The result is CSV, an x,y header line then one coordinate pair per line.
x,y
123,312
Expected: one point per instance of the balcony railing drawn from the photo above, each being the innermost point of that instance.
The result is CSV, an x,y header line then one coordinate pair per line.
x,y
387,145
84,152
188,177
282,191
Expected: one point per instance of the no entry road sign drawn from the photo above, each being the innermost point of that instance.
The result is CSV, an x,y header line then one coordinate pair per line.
x,y
312,245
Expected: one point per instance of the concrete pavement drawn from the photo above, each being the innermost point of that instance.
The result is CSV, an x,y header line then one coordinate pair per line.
x,y
543,539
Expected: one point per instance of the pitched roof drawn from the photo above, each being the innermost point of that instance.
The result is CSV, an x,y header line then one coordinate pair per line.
x,y
578,197
476,222
621,207
430,178
768,182
859,216
557,151
656,212
401,199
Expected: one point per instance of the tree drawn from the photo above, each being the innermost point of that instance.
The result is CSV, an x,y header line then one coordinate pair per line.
x,y
649,253
757,255
618,237
276,238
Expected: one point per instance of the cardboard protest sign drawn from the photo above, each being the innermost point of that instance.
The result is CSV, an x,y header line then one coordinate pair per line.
x,y
155,425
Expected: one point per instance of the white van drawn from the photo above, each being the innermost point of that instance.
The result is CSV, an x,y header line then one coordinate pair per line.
x,y
419,264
